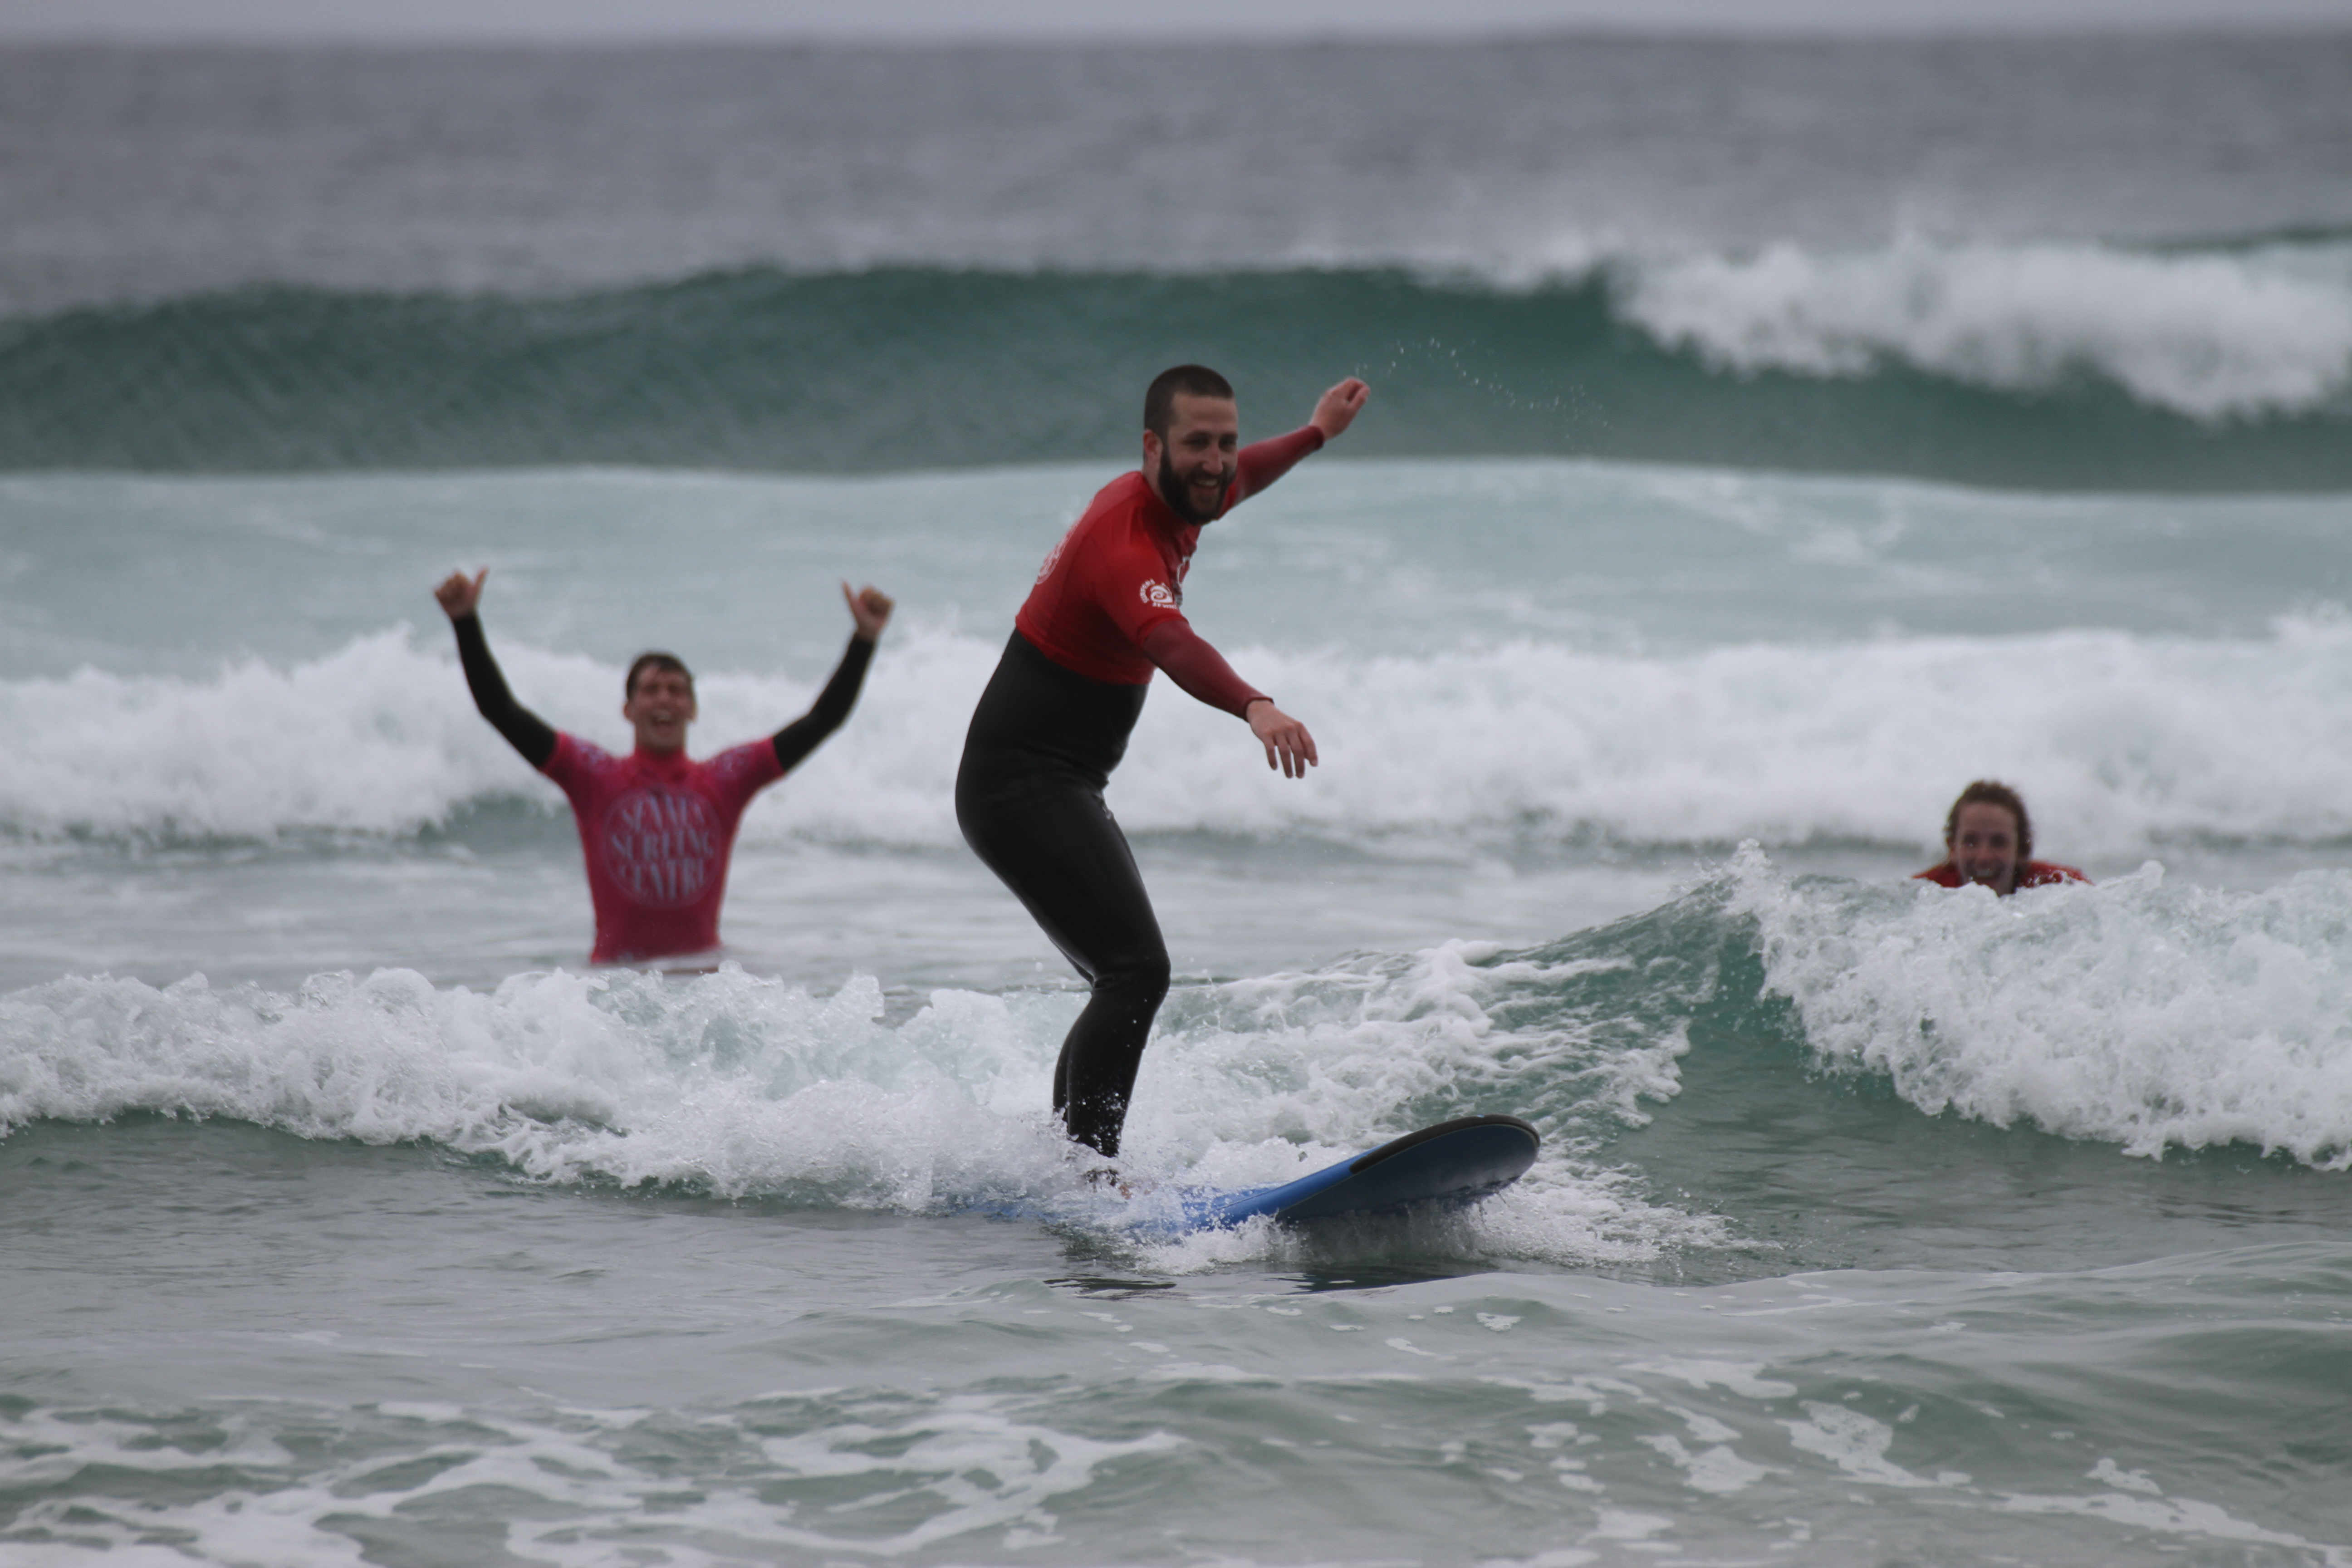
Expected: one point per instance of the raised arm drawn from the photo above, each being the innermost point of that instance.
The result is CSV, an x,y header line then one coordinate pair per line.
x,y
1261,463
870,609
525,731
1203,671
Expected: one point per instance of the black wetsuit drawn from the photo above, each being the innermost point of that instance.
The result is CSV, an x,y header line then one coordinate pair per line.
x,y
1105,614
1029,798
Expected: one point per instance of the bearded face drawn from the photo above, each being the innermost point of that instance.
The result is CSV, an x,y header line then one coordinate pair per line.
x,y
1196,457
1198,498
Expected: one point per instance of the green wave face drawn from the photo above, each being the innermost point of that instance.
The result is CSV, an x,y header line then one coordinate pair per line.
x,y
1858,1075
908,368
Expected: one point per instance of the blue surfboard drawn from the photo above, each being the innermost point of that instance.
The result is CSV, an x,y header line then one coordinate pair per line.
x,y
1452,1163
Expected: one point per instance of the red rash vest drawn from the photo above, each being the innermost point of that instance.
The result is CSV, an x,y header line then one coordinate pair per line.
x,y
657,830
2032,874
1109,603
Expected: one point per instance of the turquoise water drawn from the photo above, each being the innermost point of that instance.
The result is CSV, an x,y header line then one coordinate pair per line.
x,y
1706,535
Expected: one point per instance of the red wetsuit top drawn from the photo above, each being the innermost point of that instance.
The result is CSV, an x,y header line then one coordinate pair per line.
x,y
657,830
2032,874
1109,601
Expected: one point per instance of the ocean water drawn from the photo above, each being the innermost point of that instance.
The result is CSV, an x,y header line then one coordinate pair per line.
x,y
1766,440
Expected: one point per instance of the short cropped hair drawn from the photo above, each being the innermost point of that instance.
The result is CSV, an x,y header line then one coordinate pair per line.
x,y
654,660
1988,793
1192,380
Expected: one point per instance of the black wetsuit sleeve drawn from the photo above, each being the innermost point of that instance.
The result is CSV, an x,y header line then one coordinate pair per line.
x,y
525,731
796,739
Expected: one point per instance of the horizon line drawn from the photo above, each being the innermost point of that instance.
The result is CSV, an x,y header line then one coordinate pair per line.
x,y
1599,30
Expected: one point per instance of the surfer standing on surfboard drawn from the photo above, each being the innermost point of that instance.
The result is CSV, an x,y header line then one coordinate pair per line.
x,y
1107,610
656,828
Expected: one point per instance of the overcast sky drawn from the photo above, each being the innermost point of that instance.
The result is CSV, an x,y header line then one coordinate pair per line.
x,y
912,20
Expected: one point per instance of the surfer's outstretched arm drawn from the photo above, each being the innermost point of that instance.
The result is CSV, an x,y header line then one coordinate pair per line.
x,y
1261,463
870,608
1192,663
525,731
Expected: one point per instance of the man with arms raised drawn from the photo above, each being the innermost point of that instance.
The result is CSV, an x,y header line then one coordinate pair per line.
x,y
656,828
1107,610
1988,843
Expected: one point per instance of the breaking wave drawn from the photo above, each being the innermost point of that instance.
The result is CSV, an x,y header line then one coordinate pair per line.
x,y
2125,742
2222,368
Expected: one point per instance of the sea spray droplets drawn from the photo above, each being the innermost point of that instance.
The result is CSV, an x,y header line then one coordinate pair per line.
x,y
2141,1012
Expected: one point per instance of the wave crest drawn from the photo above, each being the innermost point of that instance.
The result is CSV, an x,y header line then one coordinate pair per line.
x,y
2213,337
2138,1012
2043,364
2127,741
738,1086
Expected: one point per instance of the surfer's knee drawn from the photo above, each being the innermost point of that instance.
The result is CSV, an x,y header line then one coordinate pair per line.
x,y
1142,974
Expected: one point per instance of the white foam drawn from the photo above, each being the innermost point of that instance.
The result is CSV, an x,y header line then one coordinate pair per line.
x,y
2140,1013
2202,1520
2119,739
731,1082
737,1085
1855,1444
962,1463
2211,336
1718,1469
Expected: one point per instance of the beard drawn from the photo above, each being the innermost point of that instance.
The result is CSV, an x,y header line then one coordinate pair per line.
x,y
1179,496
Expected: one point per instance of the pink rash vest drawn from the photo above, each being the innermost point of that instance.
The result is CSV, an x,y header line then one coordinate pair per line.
x,y
657,830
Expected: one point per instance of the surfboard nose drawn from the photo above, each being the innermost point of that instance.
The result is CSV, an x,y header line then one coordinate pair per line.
x,y
1455,1162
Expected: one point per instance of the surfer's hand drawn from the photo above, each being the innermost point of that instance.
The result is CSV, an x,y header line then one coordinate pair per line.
x,y
870,608
460,594
1337,409
1287,744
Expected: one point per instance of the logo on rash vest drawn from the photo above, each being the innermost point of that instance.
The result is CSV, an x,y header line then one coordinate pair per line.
x,y
1159,595
661,848
1054,555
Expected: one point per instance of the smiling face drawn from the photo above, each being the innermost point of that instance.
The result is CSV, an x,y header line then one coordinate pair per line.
x,y
1192,464
660,706
1984,846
